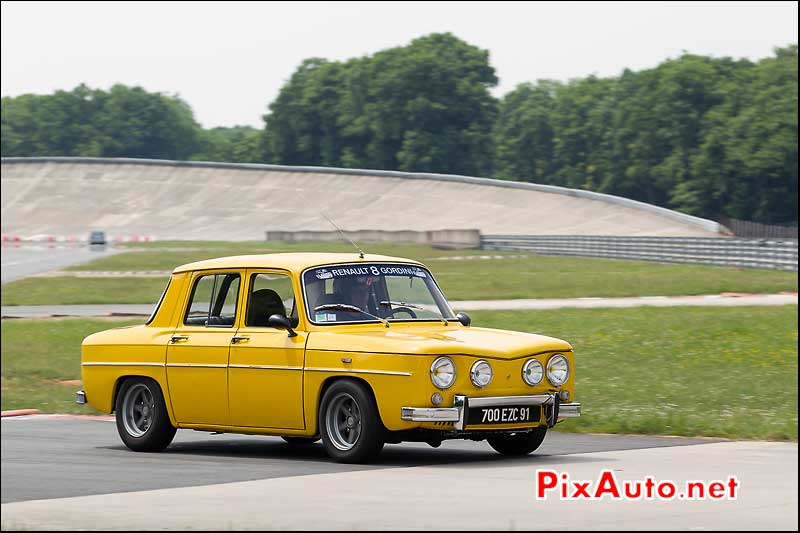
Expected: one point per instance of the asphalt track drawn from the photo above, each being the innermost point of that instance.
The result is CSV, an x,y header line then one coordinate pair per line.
x,y
67,473
20,261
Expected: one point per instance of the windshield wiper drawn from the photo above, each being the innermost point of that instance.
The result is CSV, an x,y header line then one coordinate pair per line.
x,y
390,303
346,307
404,304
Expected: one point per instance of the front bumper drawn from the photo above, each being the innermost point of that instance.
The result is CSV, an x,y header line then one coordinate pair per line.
x,y
554,409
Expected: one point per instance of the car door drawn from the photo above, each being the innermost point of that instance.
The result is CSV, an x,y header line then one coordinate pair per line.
x,y
197,354
265,370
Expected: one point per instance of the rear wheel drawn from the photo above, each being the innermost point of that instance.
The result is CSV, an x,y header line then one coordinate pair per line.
x,y
349,424
142,420
518,443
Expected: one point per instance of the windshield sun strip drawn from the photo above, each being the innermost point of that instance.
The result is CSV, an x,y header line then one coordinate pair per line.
x,y
438,297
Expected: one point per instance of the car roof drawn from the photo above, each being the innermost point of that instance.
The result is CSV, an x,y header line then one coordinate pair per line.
x,y
294,262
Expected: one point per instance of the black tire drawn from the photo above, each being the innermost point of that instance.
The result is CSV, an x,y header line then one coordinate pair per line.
x,y
518,443
300,441
142,420
356,437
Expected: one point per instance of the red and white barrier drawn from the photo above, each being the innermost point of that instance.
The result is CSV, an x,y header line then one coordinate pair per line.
x,y
73,239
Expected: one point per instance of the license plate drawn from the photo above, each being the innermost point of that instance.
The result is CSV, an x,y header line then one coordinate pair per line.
x,y
510,414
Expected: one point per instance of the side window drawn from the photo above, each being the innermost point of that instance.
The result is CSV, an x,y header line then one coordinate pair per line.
x,y
270,294
213,301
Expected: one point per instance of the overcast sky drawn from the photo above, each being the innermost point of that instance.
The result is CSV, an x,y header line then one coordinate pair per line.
x,y
228,60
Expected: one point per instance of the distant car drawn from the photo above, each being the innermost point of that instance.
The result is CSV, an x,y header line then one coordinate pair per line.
x,y
355,351
97,237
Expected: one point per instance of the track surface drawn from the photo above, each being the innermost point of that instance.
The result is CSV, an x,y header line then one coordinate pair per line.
x,y
45,457
234,482
29,259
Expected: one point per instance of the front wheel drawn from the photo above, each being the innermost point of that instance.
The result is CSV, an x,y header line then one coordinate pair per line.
x,y
350,427
518,443
142,420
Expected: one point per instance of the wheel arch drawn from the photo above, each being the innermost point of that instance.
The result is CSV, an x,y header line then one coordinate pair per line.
x,y
331,380
121,379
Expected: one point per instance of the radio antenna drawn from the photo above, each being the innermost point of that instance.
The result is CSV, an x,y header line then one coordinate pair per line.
x,y
360,251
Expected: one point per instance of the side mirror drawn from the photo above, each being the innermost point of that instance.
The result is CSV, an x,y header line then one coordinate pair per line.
x,y
464,319
281,322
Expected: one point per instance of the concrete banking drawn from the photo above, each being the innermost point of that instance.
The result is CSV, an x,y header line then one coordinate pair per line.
x,y
194,200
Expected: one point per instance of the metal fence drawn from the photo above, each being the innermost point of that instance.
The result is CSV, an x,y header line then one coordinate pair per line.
x,y
750,253
745,228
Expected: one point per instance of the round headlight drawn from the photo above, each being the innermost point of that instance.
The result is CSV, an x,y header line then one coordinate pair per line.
x,y
443,372
557,370
481,373
532,372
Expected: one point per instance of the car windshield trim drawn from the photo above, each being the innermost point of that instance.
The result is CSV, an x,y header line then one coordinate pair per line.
x,y
437,295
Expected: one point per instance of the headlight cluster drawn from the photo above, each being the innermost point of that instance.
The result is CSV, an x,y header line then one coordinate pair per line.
x,y
557,371
532,372
481,374
443,372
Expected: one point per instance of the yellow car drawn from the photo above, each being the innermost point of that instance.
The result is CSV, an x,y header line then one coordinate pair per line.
x,y
356,350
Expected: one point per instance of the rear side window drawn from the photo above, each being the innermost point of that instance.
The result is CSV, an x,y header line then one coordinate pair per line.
x,y
214,301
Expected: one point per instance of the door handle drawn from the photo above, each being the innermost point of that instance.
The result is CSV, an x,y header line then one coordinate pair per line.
x,y
178,338
239,338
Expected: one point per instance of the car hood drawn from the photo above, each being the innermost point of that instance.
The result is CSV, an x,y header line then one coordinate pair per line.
x,y
449,340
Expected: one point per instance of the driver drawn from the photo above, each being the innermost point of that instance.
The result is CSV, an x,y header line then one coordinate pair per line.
x,y
354,290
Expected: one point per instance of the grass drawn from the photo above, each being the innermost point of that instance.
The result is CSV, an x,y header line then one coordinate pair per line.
x,y
38,356
72,290
466,279
723,372
166,255
694,371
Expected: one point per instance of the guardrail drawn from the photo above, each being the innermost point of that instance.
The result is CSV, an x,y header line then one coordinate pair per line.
x,y
750,253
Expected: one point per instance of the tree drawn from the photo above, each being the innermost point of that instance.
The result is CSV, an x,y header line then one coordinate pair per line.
x,y
706,136
124,122
423,107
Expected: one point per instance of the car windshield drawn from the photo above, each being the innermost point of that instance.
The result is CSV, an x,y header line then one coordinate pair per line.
x,y
373,292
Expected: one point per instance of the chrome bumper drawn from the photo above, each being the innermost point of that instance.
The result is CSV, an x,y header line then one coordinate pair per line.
x,y
80,397
461,403
569,410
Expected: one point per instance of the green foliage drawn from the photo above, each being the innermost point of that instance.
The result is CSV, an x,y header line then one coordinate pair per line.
x,y
123,122
422,107
239,144
706,136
